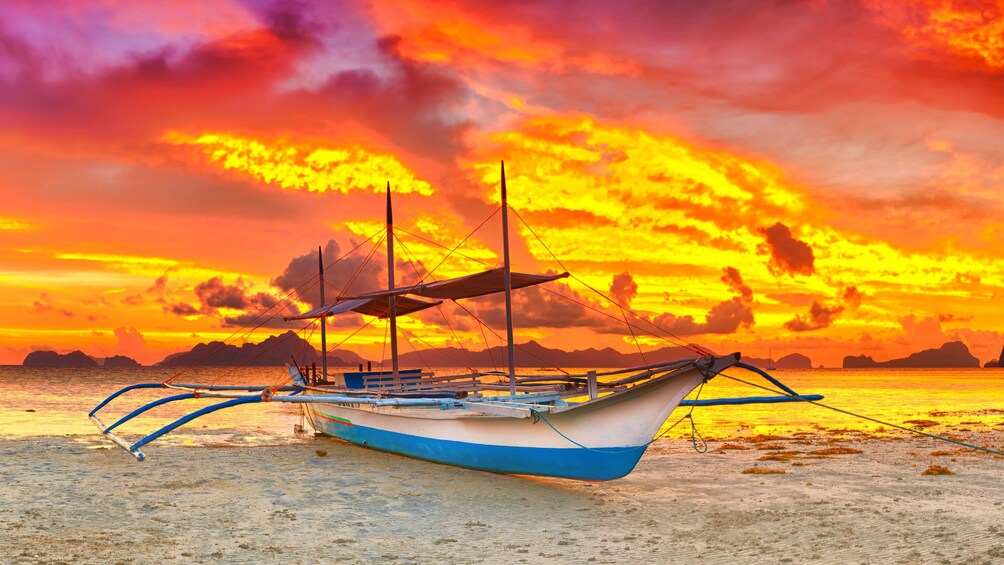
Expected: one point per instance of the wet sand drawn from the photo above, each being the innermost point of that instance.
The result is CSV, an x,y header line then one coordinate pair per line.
x,y
72,499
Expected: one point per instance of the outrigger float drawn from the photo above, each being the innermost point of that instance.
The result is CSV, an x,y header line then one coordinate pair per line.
x,y
593,425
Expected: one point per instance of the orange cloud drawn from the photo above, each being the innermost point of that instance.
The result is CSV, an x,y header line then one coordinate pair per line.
x,y
969,34
467,36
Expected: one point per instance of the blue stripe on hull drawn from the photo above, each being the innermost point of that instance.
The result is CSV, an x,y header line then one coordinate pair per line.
x,y
600,464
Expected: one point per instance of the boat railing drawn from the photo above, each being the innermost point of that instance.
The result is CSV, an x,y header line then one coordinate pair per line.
x,y
650,367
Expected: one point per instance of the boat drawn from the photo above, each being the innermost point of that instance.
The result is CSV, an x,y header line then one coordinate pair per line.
x,y
592,425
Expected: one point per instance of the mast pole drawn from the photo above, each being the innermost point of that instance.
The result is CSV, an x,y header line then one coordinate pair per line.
x,y
506,274
324,321
392,312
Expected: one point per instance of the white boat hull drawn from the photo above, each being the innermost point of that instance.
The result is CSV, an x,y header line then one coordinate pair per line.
x,y
601,439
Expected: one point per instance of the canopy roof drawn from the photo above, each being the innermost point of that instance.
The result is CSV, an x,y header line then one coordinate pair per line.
x,y
377,303
479,284
378,306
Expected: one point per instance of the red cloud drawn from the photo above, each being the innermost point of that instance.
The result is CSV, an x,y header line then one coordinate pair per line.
x,y
787,254
553,306
851,296
182,309
623,289
45,304
214,293
723,318
819,317
349,275
732,278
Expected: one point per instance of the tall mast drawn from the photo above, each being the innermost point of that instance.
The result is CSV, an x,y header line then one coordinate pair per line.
x,y
508,288
324,321
392,312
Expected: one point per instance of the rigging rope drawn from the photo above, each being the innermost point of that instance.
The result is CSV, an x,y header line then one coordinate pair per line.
x,y
870,419
634,337
457,246
503,340
240,332
359,269
484,336
437,244
413,259
694,434
673,337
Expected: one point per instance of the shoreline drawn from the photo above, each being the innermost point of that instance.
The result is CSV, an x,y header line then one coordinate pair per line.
x,y
842,497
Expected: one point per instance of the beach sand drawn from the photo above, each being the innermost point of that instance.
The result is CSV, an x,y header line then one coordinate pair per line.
x,y
73,499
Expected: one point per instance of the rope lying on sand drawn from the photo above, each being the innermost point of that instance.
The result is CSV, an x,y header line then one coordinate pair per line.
x,y
870,419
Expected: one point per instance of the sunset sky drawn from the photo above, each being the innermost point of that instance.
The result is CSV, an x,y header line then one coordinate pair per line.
x,y
821,177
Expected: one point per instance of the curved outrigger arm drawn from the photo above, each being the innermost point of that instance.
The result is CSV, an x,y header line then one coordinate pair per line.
x,y
507,406
134,448
789,396
197,391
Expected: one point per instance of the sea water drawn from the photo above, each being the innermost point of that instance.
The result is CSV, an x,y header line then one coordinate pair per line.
x,y
36,402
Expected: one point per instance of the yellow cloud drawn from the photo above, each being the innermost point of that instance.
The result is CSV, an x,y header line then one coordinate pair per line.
x,y
420,244
608,199
11,224
317,169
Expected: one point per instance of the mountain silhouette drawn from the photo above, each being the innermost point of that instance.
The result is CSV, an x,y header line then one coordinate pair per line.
x,y
953,354
53,359
274,351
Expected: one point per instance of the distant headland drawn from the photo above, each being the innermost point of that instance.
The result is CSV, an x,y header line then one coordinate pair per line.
x,y
279,350
792,361
998,362
275,351
951,355
76,359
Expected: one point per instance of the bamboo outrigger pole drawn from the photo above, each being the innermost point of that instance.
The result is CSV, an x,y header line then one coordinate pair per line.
x,y
324,321
507,277
392,310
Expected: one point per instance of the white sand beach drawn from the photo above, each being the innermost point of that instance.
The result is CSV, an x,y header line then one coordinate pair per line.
x,y
73,499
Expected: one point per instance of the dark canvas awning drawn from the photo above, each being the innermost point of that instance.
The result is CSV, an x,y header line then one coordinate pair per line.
x,y
479,284
375,306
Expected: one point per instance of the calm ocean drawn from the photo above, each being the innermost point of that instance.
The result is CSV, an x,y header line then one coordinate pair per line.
x,y
54,402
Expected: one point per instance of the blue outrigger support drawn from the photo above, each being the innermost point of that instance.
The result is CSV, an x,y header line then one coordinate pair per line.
x,y
146,407
296,396
792,396
118,393
134,448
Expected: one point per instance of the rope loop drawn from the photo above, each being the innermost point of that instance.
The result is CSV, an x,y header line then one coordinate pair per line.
x,y
695,435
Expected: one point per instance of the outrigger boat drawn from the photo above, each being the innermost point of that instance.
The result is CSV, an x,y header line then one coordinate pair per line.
x,y
593,425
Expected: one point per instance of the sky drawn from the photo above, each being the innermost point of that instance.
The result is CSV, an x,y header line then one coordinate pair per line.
x,y
820,177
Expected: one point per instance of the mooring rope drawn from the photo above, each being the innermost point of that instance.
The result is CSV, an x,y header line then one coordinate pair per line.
x,y
870,419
